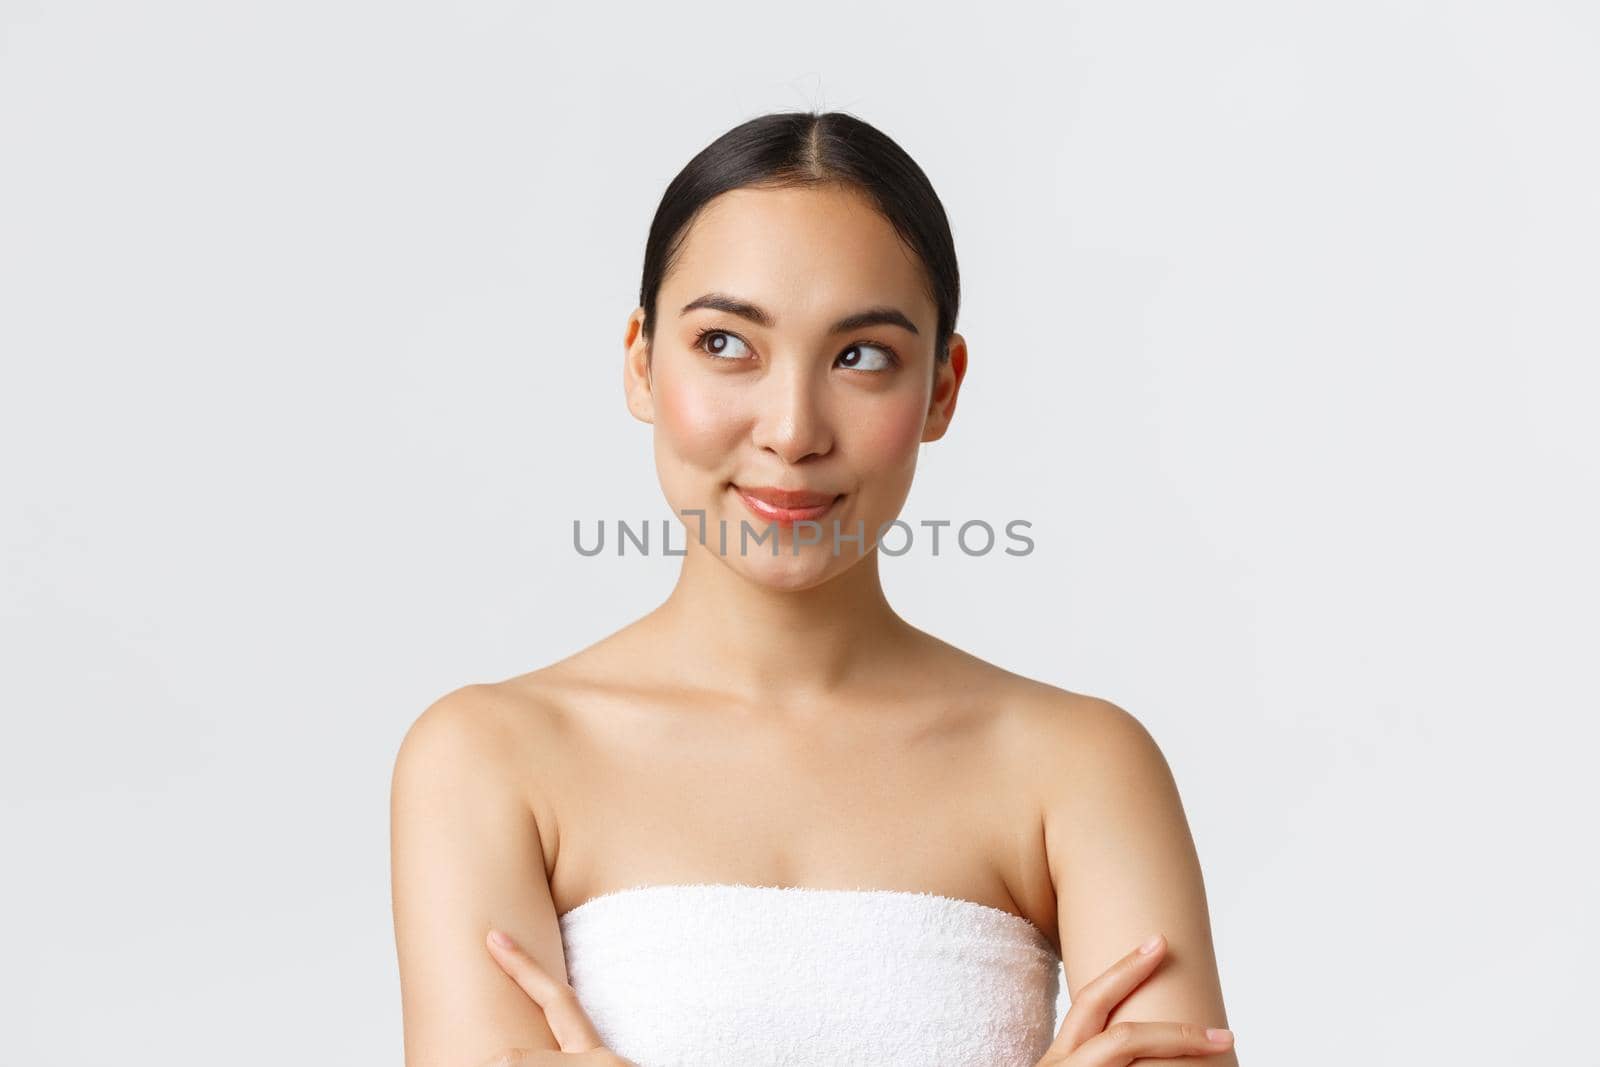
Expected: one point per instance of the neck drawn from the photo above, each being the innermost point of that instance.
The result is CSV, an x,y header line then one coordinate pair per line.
x,y
774,646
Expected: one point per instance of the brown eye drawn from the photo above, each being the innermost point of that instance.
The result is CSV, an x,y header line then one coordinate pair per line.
x,y
858,357
717,343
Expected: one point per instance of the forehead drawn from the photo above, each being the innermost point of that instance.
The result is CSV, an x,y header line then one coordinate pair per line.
x,y
805,250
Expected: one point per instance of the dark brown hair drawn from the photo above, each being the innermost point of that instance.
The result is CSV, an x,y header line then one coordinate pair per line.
x,y
810,148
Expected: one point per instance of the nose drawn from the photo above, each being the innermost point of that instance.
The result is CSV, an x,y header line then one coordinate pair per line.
x,y
792,420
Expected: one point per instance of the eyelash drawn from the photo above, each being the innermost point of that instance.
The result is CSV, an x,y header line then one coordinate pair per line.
x,y
700,337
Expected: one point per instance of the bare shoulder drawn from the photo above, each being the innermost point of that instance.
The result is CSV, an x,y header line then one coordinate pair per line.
x,y
1119,850
469,850
1061,735
1041,723
504,730
1059,742
483,716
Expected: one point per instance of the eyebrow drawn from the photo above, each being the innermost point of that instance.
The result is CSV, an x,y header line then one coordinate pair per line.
x,y
883,315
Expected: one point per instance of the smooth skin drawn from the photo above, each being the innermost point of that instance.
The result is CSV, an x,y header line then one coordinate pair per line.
x,y
774,721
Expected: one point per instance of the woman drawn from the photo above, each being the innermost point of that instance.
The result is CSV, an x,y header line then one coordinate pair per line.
x,y
772,821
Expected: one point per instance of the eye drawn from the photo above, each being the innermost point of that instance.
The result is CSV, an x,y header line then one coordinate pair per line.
x,y
853,357
716,343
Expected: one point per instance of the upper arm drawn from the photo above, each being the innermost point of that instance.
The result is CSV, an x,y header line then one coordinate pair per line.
x,y
465,855
1124,866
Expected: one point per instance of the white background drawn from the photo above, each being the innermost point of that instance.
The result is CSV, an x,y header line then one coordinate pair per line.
x,y
1282,332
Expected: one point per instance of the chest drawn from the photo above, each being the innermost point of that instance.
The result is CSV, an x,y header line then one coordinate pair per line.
x,y
920,799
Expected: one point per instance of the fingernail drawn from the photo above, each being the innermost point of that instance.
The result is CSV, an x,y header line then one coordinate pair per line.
x,y
500,939
1151,945
1219,1035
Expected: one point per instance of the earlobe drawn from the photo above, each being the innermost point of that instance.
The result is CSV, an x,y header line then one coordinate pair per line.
x,y
938,417
636,386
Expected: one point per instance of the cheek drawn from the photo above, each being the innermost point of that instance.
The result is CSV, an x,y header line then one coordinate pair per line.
x,y
694,425
892,436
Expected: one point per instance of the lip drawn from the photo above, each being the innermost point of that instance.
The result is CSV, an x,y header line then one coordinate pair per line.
x,y
786,505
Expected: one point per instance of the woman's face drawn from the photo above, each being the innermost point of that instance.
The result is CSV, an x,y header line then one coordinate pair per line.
x,y
756,380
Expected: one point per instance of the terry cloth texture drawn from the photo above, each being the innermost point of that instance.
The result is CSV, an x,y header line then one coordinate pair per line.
x,y
725,975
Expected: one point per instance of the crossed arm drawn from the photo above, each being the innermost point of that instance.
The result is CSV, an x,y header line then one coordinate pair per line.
x,y
1124,866
466,855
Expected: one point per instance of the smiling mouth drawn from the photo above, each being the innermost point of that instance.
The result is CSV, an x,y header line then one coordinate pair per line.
x,y
777,513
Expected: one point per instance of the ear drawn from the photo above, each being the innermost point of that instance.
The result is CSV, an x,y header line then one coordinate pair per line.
x,y
636,369
946,385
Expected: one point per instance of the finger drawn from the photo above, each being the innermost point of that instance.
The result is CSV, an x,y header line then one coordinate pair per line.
x,y
1096,1001
1120,1044
569,1023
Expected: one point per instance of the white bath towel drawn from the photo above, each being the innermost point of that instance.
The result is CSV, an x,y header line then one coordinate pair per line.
x,y
724,975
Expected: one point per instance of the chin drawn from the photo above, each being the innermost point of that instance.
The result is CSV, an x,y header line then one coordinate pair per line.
x,y
790,573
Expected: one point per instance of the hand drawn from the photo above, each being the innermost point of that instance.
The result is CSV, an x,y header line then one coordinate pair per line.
x,y
580,1042
1086,1041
